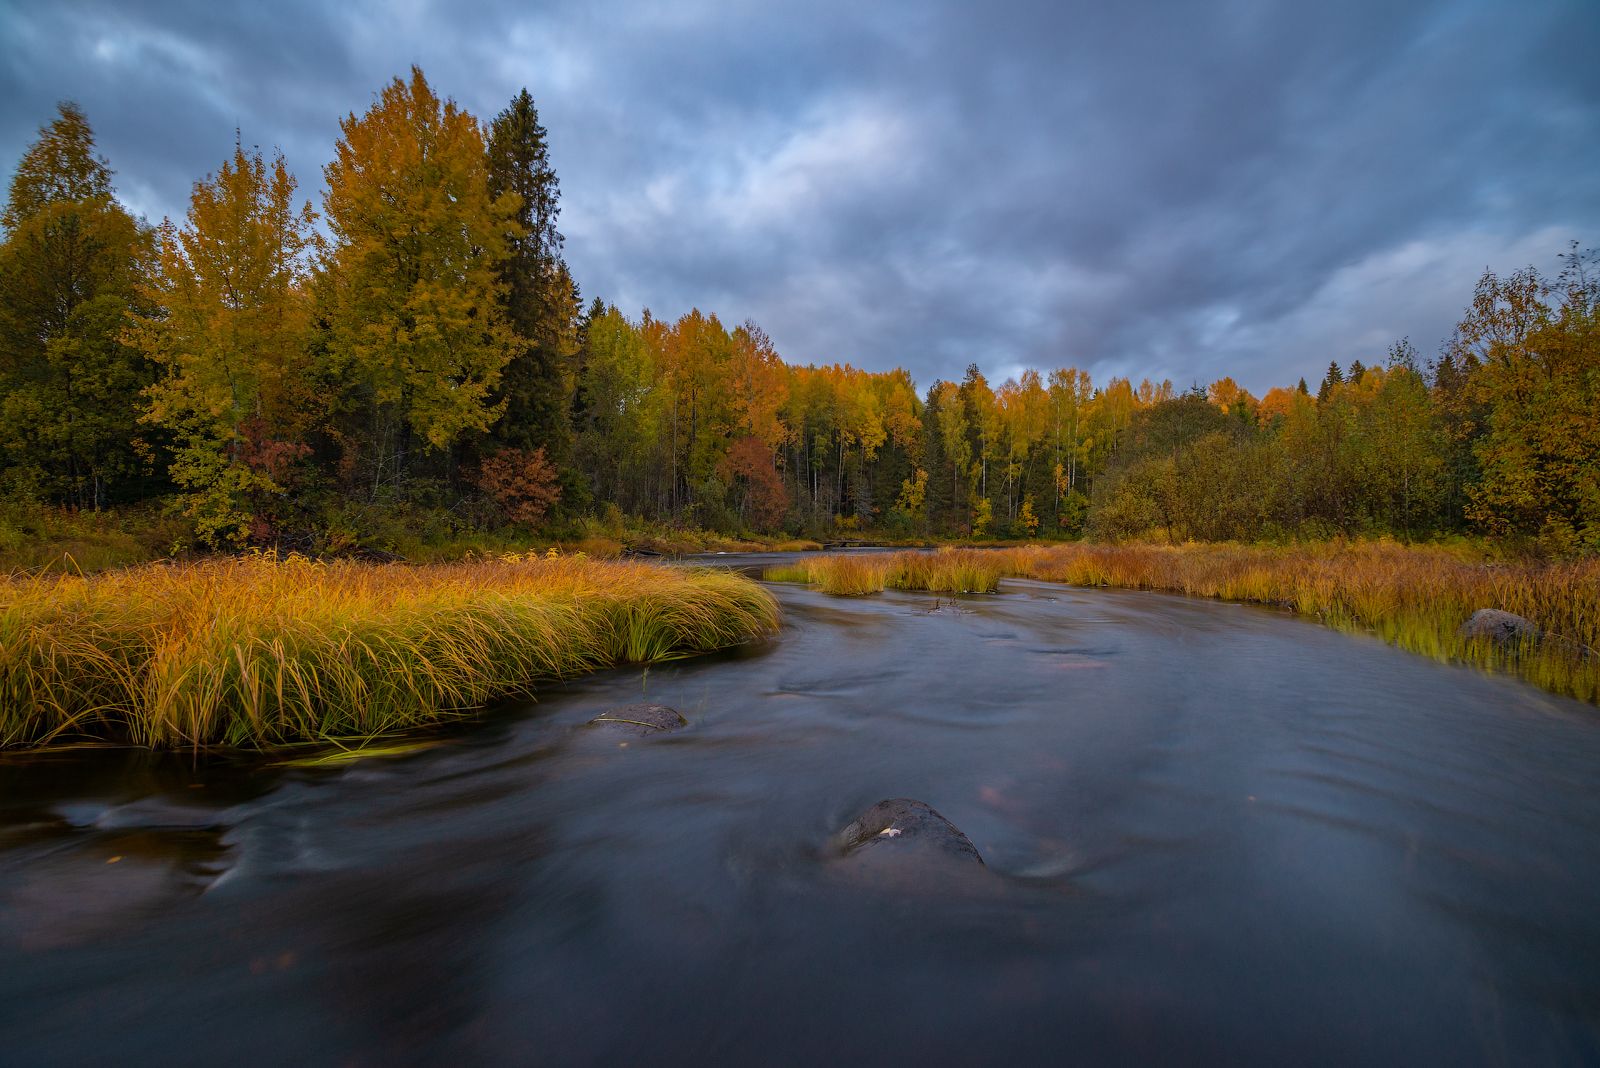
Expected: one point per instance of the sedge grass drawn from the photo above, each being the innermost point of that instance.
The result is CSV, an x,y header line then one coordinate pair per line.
x,y
261,651
1414,597
844,576
855,574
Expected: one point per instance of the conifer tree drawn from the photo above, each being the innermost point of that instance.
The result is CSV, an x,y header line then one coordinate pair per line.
x,y
540,298
1334,377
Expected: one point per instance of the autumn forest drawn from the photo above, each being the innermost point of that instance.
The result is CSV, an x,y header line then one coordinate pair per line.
x,y
415,353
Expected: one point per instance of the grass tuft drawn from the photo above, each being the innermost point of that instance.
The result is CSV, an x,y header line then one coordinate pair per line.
x,y
259,651
855,574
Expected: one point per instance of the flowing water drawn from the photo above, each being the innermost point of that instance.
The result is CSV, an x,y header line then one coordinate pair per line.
x,y
1212,833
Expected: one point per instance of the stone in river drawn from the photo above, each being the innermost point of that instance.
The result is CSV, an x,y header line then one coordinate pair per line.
x,y
1499,626
903,831
641,719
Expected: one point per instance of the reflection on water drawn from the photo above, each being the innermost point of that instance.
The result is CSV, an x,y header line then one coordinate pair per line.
x,y
1211,833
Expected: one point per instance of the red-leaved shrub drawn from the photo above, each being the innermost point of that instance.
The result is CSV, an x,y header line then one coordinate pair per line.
x,y
522,484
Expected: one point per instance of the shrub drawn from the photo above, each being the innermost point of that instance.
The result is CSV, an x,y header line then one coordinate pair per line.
x,y
523,485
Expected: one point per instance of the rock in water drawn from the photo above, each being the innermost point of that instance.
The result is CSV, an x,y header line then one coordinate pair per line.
x,y
641,719
1498,626
904,830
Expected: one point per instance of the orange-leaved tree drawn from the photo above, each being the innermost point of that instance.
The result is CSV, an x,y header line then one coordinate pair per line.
x,y
758,493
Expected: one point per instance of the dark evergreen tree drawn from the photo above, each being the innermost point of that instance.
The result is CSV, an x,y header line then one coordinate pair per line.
x,y
580,400
939,501
1333,378
540,296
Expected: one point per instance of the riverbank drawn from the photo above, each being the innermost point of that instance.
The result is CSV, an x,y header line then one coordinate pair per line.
x,y
257,651
36,539
1417,598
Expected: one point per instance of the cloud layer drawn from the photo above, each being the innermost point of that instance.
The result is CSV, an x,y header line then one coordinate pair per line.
x,y
1174,190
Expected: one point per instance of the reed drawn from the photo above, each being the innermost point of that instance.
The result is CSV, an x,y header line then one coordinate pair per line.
x,y
261,651
1414,597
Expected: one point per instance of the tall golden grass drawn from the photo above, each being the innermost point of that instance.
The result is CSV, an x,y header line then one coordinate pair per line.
x,y
946,571
260,651
1414,597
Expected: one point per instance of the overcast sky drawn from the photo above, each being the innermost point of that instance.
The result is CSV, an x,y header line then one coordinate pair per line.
x,y
1179,190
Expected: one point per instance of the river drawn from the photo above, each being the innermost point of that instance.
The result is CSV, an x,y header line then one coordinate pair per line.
x,y
1212,834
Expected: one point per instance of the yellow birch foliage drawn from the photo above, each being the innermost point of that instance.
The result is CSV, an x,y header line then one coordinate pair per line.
x,y
230,336
410,282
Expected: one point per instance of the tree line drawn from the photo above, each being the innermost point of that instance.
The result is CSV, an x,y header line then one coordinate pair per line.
x,y
419,347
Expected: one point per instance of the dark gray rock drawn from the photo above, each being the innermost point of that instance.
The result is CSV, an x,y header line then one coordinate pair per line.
x,y
1495,625
903,831
640,720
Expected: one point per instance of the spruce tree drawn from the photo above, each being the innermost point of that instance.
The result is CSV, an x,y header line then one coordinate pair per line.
x,y
540,298
1333,378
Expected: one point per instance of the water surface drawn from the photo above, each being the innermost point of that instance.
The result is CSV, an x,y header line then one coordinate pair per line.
x,y
1213,834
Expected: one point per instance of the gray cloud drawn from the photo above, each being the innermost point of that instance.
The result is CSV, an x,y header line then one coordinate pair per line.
x,y
1173,190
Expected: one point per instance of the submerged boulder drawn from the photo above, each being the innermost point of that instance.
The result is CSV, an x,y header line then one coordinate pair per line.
x,y
641,719
902,832
1499,626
